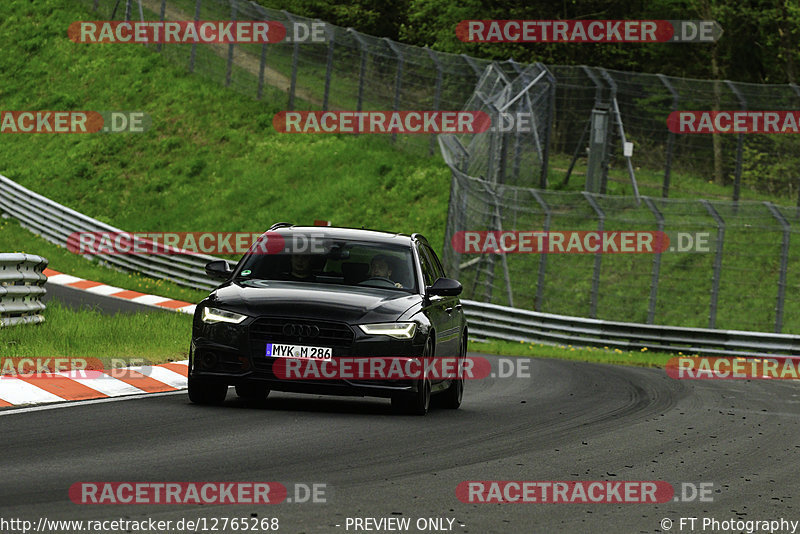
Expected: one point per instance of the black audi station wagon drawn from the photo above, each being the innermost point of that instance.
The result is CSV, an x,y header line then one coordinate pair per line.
x,y
311,294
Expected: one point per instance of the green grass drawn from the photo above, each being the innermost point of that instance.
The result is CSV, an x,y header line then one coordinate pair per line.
x,y
643,358
683,184
157,337
211,160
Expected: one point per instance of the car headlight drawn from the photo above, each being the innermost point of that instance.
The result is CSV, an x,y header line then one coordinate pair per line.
x,y
215,315
395,330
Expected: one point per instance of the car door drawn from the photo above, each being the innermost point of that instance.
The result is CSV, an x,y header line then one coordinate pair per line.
x,y
443,308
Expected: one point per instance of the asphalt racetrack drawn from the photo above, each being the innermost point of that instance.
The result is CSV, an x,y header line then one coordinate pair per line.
x,y
567,421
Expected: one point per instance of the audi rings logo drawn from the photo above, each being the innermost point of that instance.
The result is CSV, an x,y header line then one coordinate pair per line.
x,y
300,330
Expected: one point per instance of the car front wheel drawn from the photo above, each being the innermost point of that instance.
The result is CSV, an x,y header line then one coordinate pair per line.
x,y
418,402
451,397
201,392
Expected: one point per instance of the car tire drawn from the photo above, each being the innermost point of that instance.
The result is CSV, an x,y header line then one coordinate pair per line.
x,y
252,393
419,402
452,396
201,392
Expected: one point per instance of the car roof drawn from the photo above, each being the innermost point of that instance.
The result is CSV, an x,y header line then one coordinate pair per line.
x,y
357,234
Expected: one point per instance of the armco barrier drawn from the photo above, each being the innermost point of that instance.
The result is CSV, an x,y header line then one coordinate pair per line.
x,y
512,324
21,289
55,223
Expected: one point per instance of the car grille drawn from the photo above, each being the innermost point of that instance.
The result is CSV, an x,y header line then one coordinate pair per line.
x,y
271,330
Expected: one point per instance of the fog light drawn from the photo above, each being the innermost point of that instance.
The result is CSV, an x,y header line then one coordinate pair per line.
x,y
208,360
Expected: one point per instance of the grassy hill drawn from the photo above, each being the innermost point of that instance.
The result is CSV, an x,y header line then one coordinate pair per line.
x,y
211,159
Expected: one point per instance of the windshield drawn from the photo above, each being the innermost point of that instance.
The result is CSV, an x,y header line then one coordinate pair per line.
x,y
336,262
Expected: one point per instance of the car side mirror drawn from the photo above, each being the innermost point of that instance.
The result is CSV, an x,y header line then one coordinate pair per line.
x,y
445,287
219,269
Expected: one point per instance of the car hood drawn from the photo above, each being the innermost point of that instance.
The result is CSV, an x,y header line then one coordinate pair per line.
x,y
319,301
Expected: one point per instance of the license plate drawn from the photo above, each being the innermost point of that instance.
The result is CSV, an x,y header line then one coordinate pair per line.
x,y
279,350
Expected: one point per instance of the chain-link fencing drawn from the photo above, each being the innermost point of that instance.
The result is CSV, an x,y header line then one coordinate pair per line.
x,y
731,266
353,71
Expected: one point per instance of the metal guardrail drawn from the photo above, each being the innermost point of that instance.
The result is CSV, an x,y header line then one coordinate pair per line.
x,y
21,289
55,223
512,324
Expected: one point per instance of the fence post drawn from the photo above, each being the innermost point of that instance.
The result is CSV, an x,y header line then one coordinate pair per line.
x,y
229,70
437,94
537,304
295,54
670,136
128,10
651,308
597,164
551,106
575,155
784,264
517,144
362,69
262,62
712,312
622,137
331,33
739,143
598,138
448,252
796,90
162,14
601,219
398,78
193,54
262,67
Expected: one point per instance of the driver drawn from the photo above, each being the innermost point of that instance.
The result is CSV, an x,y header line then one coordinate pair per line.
x,y
301,268
380,267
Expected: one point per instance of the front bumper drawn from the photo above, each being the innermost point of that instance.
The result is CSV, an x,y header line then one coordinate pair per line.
x,y
236,355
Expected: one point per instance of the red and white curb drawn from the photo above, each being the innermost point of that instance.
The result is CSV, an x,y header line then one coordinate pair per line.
x,y
85,385
61,279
